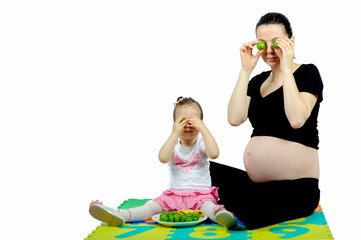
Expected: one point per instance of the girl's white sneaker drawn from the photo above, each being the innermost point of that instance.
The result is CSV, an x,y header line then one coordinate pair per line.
x,y
225,218
106,214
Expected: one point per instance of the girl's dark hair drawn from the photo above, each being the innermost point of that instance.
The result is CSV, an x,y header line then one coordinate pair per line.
x,y
186,101
276,18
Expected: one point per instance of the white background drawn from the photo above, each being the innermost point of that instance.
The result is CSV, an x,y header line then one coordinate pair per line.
x,y
87,91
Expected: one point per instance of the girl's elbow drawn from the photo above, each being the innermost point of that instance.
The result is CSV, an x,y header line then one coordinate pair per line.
x,y
213,156
163,160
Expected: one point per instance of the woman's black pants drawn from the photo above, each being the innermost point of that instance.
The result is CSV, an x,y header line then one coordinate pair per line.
x,y
263,204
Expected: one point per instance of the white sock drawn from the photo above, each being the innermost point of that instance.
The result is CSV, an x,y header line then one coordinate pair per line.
x,y
208,209
141,213
224,217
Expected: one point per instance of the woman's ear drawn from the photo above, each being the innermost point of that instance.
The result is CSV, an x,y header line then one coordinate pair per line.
x,y
293,39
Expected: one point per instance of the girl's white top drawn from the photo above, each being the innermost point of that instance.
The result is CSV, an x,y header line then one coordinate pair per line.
x,y
189,167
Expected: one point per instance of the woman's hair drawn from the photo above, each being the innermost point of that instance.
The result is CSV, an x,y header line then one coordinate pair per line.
x,y
185,101
276,18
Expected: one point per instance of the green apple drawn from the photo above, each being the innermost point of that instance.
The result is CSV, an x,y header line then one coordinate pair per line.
x,y
261,45
275,44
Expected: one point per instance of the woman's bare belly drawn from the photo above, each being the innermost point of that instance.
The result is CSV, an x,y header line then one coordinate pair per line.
x,y
269,158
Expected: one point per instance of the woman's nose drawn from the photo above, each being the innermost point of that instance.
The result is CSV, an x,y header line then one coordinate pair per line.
x,y
270,48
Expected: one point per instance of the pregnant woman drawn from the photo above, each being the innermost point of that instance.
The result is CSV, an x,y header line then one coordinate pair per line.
x,y
281,159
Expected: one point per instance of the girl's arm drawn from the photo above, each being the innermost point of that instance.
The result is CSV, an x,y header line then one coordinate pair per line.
x,y
211,146
166,152
239,102
211,149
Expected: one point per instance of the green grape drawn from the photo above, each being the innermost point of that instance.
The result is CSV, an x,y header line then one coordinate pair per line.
x,y
176,217
163,217
195,217
183,218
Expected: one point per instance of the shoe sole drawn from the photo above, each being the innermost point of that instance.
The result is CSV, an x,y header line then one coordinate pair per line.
x,y
225,219
103,215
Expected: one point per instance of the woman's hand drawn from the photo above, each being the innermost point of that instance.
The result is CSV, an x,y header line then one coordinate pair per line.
x,y
249,61
286,52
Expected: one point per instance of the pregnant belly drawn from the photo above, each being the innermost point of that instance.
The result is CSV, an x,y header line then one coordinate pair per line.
x,y
270,158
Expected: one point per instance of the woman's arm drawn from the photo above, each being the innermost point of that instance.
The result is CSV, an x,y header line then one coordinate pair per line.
x,y
298,105
239,102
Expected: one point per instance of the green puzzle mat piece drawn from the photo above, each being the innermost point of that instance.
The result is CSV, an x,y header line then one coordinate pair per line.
x,y
132,203
309,228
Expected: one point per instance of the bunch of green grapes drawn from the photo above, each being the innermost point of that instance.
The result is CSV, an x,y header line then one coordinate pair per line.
x,y
177,217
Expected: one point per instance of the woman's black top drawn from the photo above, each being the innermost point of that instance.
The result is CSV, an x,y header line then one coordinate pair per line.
x,y
267,114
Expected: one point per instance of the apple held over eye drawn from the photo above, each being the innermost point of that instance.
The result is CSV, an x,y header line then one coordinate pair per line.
x,y
261,45
275,44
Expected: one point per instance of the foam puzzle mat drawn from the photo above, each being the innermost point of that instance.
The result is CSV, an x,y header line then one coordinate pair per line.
x,y
308,228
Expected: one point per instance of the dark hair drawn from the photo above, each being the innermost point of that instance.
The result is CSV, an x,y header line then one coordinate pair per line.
x,y
276,18
186,101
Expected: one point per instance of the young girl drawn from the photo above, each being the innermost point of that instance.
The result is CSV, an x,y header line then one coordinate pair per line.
x,y
190,183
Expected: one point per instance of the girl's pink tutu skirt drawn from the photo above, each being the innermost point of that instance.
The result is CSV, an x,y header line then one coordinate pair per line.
x,y
174,200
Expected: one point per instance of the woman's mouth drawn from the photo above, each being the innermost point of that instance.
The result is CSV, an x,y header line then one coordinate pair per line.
x,y
272,59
